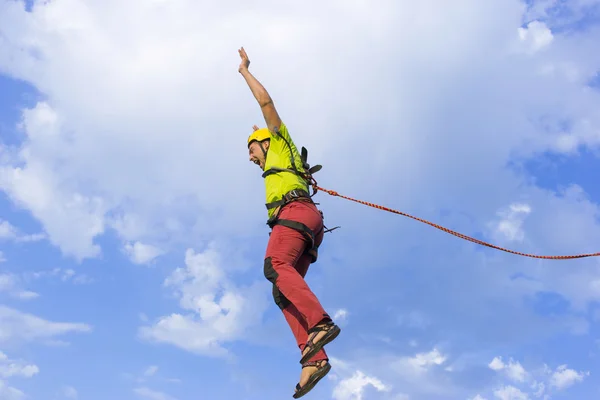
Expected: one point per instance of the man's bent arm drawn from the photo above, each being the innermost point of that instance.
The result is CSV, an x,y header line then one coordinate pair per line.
x,y
260,94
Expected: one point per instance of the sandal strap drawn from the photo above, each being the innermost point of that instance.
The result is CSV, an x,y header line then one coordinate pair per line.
x,y
314,331
310,364
326,326
318,364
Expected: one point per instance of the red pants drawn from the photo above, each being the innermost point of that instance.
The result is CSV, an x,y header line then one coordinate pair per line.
x,y
286,264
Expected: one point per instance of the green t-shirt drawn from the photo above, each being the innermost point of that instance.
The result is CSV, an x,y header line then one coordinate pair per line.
x,y
277,185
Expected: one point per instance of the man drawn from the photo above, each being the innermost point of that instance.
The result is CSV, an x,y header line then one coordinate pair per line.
x,y
296,232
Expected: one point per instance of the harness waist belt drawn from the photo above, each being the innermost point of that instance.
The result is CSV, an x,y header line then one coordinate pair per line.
x,y
289,197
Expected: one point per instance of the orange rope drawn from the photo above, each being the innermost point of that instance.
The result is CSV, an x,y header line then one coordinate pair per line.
x,y
460,235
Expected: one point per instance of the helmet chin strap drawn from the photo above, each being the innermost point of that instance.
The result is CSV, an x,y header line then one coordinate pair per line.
x,y
263,150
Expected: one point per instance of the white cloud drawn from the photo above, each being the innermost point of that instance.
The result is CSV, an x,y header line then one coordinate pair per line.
x,y
536,36
565,377
10,393
478,397
420,363
513,370
510,393
150,394
353,388
9,232
35,187
496,364
511,222
341,316
217,311
6,230
539,388
535,383
11,368
141,253
70,392
421,375
19,326
9,283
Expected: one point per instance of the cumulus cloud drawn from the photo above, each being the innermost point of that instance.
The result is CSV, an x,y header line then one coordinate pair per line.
x,y
353,388
140,253
10,368
10,283
513,370
13,284
511,221
564,377
10,232
341,316
510,393
16,368
386,375
10,393
217,311
18,326
420,363
536,36
536,383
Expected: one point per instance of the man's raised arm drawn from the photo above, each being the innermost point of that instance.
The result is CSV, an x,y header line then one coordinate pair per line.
x,y
260,93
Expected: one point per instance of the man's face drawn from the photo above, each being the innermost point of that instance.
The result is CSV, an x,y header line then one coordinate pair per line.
x,y
256,154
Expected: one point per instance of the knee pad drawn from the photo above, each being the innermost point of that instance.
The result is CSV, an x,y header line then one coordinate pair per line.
x,y
271,275
269,271
281,301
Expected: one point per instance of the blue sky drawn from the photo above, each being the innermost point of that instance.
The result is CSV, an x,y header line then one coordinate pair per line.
x,y
132,226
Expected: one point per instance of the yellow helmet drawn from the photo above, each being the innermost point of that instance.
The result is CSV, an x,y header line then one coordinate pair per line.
x,y
259,135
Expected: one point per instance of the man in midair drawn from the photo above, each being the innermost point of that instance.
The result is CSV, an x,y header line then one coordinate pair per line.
x,y
296,232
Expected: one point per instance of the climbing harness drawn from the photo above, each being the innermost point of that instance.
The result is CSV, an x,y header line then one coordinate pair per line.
x,y
295,195
460,235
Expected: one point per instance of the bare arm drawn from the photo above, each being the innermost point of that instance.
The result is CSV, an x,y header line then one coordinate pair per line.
x,y
260,93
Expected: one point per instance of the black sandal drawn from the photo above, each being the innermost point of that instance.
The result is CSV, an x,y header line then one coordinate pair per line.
x,y
332,332
319,374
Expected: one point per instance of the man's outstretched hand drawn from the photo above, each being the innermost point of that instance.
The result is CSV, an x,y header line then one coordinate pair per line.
x,y
245,60
260,93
